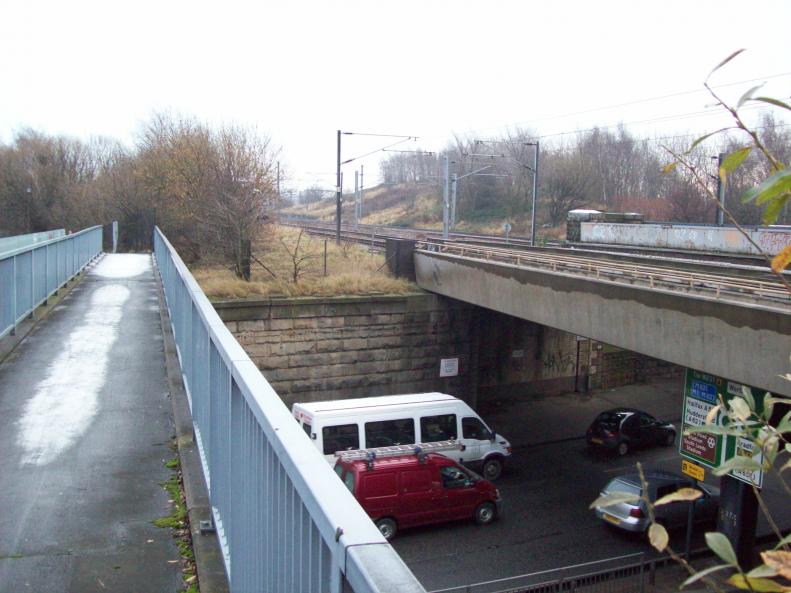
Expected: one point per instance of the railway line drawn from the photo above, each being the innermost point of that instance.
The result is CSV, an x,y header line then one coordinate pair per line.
x,y
765,291
711,275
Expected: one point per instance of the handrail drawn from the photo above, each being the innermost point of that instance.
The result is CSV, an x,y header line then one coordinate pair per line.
x,y
721,287
285,522
630,565
30,275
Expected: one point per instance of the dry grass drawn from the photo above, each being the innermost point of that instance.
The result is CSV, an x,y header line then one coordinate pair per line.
x,y
351,270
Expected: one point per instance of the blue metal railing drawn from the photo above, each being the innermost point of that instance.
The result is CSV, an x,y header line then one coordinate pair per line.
x,y
285,522
30,275
20,241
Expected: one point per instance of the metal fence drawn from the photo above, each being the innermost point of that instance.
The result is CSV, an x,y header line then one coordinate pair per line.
x,y
624,574
30,275
20,241
284,520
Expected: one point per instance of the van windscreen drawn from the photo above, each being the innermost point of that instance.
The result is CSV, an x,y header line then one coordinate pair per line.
x,y
384,433
343,437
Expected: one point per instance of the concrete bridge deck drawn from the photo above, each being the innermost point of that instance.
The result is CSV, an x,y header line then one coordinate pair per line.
x,y
736,328
85,426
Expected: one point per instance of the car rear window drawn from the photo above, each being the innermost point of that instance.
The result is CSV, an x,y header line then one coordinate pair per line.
x,y
619,486
611,420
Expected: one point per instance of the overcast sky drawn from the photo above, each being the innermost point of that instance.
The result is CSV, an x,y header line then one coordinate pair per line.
x,y
299,70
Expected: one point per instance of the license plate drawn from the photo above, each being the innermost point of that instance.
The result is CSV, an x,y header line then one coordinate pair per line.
x,y
597,441
611,519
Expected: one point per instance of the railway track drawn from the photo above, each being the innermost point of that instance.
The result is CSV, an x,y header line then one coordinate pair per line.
x,y
718,279
766,292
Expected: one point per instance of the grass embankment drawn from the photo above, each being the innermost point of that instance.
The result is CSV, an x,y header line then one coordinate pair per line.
x,y
419,206
287,254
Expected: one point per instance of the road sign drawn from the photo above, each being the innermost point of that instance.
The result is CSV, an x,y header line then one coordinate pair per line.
x,y
701,393
700,396
692,470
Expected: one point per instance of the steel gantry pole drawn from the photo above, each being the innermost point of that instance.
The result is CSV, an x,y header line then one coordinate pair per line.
x,y
445,208
535,197
338,195
356,199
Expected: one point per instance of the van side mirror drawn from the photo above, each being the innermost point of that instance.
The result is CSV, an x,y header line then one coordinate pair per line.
x,y
492,435
313,435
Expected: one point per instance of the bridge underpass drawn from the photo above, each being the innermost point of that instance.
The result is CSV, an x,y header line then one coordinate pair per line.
x,y
733,329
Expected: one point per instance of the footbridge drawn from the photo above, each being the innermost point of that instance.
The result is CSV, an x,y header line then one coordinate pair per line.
x,y
730,321
87,420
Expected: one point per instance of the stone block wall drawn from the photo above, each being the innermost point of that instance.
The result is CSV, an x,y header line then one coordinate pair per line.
x,y
616,367
313,349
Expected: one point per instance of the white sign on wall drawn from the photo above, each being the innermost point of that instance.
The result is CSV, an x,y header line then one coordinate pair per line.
x,y
449,367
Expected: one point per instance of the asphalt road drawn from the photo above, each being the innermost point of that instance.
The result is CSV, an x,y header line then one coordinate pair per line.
x,y
85,425
546,522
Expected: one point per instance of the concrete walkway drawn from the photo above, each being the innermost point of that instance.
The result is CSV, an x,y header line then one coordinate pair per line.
x,y
85,426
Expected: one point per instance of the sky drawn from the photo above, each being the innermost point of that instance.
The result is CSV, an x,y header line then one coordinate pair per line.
x,y
299,70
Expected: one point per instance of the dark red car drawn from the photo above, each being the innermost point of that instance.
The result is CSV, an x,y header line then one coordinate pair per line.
x,y
410,490
623,429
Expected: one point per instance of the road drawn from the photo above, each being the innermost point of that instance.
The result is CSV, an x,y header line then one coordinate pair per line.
x,y
546,522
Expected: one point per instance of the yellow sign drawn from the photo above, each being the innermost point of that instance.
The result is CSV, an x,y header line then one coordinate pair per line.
x,y
692,470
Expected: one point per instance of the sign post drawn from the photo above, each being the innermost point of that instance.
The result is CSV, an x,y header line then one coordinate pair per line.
x,y
738,504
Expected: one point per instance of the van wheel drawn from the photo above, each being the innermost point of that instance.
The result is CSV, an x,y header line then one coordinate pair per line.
x,y
622,448
492,468
387,527
485,513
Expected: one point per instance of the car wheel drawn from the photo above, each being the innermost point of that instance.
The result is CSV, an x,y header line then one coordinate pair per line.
x,y
622,448
387,527
492,468
485,513
669,439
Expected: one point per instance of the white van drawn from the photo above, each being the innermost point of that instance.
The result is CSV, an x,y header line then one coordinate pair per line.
x,y
347,424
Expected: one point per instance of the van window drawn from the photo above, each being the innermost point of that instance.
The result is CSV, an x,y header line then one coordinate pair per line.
x,y
453,477
348,479
384,433
416,480
340,438
438,428
308,429
473,428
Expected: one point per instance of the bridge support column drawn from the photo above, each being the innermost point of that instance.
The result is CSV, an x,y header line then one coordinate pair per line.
x,y
399,256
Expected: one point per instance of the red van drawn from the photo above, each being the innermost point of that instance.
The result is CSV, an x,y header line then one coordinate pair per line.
x,y
405,490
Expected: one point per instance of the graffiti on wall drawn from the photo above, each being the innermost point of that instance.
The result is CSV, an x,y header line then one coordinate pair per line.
x,y
558,363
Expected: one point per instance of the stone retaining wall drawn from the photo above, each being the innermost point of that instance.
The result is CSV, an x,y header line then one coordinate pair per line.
x,y
313,349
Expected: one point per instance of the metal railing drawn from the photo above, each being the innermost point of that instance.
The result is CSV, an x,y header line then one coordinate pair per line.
x,y
285,522
30,275
717,286
20,241
624,574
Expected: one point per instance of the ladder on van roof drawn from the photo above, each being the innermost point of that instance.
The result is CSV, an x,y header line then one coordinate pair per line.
x,y
396,450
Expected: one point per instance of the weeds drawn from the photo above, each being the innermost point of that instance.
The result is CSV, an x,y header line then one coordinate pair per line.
x,y
178,521
351,269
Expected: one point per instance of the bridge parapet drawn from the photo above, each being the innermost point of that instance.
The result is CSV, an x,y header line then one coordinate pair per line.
x,y
31,274
284,520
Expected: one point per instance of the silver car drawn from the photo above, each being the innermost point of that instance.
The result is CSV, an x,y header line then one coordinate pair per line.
x,y
634,516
